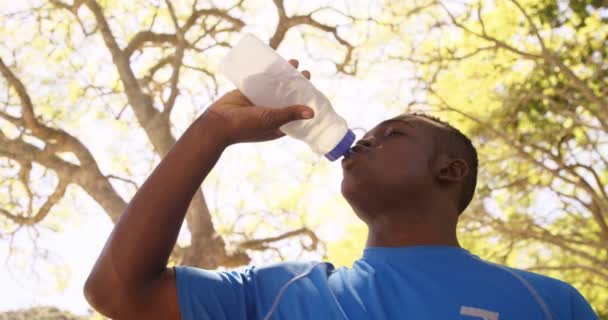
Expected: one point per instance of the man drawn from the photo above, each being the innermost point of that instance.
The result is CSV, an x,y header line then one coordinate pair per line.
x,y
409,178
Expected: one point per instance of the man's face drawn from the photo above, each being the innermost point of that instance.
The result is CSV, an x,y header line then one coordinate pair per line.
x,y
390,165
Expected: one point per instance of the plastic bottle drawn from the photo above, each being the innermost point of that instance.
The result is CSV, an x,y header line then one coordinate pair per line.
x,y
267,79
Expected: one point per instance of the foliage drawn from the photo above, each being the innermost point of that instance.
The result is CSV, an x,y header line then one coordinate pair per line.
x,y
39,313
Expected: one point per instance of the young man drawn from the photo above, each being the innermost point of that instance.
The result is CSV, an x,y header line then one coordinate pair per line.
x,y
409,178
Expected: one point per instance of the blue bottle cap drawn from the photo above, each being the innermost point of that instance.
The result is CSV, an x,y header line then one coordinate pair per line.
x,y
342,148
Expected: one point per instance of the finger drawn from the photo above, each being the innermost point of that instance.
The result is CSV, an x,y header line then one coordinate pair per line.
x,y
278,117
306,74
294,63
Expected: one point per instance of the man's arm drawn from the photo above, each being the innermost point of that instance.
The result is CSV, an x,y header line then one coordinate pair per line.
x,y
130,279
132,265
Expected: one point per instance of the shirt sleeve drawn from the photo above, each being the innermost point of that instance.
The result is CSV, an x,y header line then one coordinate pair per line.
x,y
580,307
204,294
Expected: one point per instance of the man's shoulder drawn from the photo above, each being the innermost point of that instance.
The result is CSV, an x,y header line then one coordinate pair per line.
x,y
559,294
288,270
540,280
287,266
556,292
275,273
551,294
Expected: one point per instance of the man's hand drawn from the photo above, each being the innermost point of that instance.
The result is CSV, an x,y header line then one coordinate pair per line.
x,y
241,121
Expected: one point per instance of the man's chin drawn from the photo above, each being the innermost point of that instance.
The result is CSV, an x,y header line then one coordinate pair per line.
x,y
353,185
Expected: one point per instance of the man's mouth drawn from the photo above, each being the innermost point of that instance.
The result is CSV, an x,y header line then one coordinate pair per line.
x,y
355,151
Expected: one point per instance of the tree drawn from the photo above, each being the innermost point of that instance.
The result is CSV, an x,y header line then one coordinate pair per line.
x,y
528,79
147,70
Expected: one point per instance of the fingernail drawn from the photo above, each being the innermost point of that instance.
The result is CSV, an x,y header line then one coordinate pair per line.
x,y
306,114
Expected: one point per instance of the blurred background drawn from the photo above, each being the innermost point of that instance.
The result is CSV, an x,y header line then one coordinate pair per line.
x,y
93,93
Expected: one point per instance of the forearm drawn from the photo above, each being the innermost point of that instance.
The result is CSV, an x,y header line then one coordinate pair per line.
x,y
138,249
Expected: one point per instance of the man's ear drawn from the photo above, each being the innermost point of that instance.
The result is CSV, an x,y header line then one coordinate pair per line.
x,y
449,169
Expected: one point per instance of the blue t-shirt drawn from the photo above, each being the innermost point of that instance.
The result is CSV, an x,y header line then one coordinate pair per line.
x,y
418,282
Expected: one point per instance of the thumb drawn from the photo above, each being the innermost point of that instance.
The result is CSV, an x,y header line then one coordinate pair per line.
x,y
287,114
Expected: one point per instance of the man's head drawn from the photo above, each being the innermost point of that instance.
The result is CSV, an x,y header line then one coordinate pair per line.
x,y
409,163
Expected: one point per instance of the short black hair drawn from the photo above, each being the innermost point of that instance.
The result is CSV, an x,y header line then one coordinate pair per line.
x,y
453,142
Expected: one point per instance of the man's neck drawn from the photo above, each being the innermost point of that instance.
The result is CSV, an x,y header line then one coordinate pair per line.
x,y
386,231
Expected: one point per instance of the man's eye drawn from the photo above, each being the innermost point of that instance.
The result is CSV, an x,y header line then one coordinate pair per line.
x,y
391,131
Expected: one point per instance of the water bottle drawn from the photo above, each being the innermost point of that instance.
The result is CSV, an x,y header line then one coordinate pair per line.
x,y
267,79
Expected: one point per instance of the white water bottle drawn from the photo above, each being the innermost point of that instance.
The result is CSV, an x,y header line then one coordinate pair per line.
x,y
267,79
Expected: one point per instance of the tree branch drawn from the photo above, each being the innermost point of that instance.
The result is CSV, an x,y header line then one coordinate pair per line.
x,y
87,174
570,267
547,237
262,244
55,138
148,36
285,23
29,219
177,61
485,36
